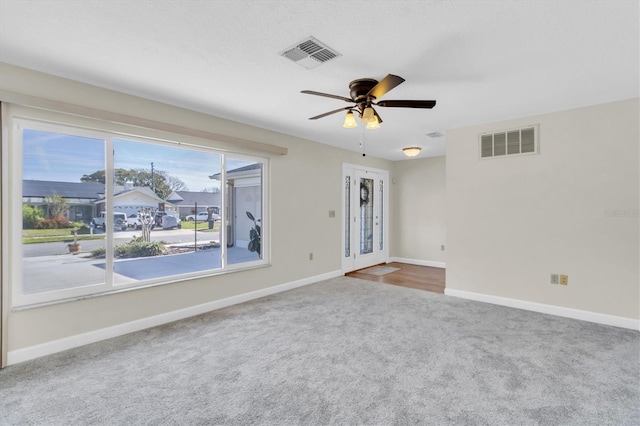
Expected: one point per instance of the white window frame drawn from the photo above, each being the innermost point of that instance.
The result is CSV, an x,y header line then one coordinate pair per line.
x,y
19,118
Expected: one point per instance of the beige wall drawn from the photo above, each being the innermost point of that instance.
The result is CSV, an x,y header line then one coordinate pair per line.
x,y
418,209
509,222
304,186
513,221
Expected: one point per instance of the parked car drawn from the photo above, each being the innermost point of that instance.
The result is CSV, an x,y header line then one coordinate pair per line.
x,y
202,217
166,221
134,221
119,221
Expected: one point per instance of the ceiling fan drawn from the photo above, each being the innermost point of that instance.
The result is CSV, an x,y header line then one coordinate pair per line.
x,y
365,93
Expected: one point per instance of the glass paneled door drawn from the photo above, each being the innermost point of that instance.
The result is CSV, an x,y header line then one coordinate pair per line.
x,y
364,217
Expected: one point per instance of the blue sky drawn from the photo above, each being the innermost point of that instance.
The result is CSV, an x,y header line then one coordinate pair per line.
x,y
57,157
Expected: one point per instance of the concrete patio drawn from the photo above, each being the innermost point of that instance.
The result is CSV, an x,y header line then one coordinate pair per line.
x,y
48,273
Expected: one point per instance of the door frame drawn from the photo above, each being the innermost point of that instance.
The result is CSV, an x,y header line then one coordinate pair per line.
x,y
4,292
382,255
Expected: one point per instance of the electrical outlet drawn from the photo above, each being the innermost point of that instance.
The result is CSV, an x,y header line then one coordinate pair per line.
x,y
332,213
310,256
554,278
442,247
564,279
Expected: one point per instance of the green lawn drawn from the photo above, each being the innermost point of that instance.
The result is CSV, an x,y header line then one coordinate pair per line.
x,y
45,232
31,236
202,226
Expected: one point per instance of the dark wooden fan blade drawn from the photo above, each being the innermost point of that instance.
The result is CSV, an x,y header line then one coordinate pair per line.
x,y
329,113
406,104
326,95
386,84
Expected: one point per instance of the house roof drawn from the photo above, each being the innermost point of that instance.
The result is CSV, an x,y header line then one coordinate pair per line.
x,y
119,192
43,188
93,192
239,170
174,197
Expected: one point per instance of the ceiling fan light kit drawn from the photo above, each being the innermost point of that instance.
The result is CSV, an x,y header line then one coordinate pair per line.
x,y
367,115
411,151
350,121
364,92
373,124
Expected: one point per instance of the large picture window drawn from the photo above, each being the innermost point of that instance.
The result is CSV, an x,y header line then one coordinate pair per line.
x,y
98,212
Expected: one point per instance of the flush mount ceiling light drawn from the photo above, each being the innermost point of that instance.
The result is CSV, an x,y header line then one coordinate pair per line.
x,y
411,151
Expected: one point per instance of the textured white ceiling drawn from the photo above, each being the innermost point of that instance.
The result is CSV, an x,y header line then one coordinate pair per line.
x,y
482,61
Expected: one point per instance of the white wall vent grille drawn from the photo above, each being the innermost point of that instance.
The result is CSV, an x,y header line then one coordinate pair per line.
x,y
435,134
509,142
309,53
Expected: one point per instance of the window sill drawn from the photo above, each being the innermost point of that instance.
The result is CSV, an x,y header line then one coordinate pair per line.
x,y
214,273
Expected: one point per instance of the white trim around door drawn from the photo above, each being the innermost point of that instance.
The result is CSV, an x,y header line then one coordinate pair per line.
x,y
365,217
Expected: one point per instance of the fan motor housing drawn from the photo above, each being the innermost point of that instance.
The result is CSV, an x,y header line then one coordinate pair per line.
x,y
359,89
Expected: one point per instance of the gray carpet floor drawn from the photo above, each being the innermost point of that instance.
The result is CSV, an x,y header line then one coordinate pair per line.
x,y
341,352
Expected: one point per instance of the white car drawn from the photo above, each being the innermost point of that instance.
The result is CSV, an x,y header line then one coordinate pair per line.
x,y
119,221
202,217
133,221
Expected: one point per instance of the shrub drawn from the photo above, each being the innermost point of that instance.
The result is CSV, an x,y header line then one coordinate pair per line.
x,y
137,247
57,204
31,217
141,249
99,252
83,228
55,222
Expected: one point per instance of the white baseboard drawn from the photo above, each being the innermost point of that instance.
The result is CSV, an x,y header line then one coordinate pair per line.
x,y
419,262
32,352
560,311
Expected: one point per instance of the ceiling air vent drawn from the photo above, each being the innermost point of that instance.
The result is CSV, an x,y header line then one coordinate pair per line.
x,y
509,142
309,53
435,134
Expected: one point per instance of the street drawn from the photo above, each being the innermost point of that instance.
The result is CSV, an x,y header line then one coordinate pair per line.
x,y
167,236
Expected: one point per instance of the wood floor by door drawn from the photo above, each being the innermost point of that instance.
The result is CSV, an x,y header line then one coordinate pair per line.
x,y
413,276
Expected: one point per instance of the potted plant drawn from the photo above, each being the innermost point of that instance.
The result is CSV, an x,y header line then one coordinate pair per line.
x,y
74,247
254,235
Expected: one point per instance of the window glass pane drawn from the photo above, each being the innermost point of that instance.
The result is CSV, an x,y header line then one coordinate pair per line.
x,y
146,212
56,203
347,217
168,199
381,214
244,216
366,216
